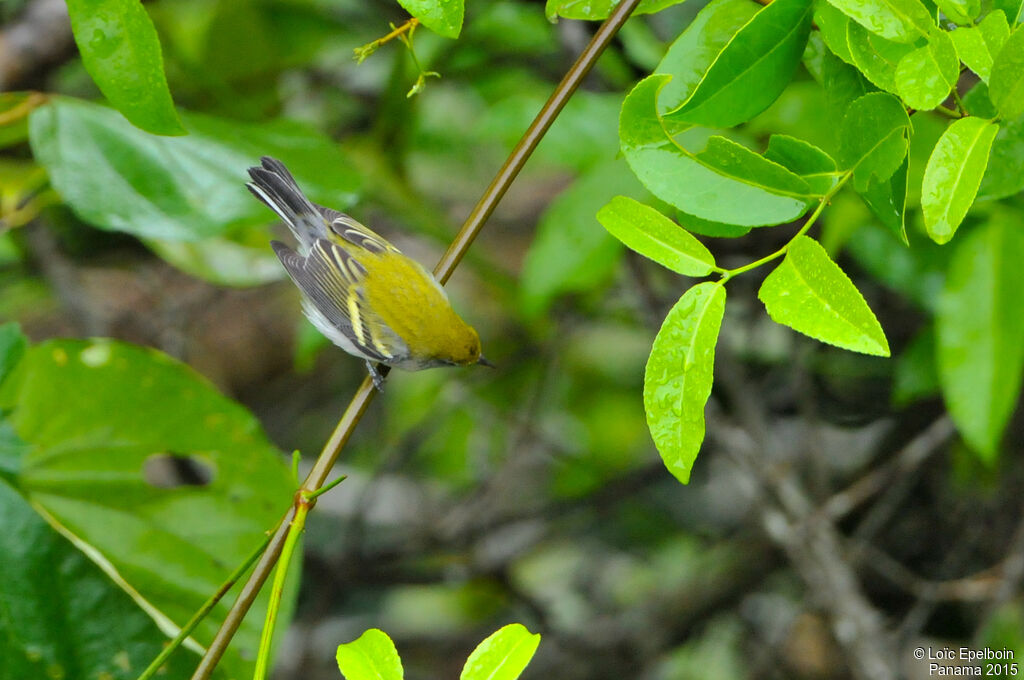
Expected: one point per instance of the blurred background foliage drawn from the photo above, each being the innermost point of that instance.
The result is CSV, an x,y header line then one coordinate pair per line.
x,y
529,493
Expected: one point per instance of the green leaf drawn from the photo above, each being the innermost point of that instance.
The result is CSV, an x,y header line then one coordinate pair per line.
x,y
810,293
980,332
596,10
648,232
571,252
804,159
752,69
977,46
121,52
117,177
443,17
888,200
696,49
370,657
1006,83
680,370
504,655
873,138
899,20
953,174
876,57
1004,175
12,348
833,25
94,463
63,617
696,225
724,183
925,76
1014,9
960,11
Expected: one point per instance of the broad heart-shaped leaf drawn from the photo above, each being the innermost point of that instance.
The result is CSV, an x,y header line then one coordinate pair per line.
x,y
978,45
695,50
596,10
118,177
899,20
888,200
725,183
1006,83
504,655
753,69
980,332
925,76
875,57
121,52
100,417
63,617
680,370
372,656
960,11
873,138
953,174
244,259
810,293
648,232
443,17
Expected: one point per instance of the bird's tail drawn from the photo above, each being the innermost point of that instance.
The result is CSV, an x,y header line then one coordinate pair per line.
x,y
275,186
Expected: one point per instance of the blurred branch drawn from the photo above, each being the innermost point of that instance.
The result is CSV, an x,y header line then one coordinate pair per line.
x,y
39,37
474,223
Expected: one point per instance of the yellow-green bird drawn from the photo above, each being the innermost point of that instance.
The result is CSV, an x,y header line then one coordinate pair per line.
x,y
360,291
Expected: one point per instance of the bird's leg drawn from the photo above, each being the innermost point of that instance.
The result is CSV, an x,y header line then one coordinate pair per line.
x,y
378,379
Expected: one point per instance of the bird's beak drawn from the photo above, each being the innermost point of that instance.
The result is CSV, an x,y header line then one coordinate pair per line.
x,y
484,362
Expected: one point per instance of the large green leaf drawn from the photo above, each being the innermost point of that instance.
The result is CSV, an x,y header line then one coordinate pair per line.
x,y
504,655
925,76
62,616
101,418
679,374
980,332
121,52
960,11
873,138
596,10
118,177
695,50
648,232
899,20
245,259
1004,175
443,17
978,45
571,252
810,293
724,183
875,57
953,174
801,157
1006,83
372,656
752,69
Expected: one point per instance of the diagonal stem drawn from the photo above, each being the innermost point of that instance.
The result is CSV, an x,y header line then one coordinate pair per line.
x,y
443,271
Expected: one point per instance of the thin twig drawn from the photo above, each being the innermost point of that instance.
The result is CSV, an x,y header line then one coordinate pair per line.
x,y
483,210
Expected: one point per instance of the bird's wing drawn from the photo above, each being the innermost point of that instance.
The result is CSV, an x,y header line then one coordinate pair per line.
x,y
332,281
355,232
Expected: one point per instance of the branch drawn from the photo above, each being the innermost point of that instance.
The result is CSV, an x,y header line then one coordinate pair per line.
x,y
443,271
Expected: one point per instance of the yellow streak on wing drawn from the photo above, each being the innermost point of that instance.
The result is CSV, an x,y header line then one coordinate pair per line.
x,y
357,321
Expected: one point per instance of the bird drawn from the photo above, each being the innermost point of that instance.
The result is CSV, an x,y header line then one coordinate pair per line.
x,y
360,291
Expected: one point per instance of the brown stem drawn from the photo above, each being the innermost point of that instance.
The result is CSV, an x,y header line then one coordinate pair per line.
x,y
443,271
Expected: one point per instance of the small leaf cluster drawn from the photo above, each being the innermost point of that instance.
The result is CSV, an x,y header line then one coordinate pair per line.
x,y
878,64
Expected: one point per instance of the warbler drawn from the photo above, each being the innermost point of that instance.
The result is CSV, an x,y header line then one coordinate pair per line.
x,y
360,291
